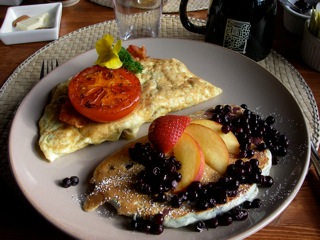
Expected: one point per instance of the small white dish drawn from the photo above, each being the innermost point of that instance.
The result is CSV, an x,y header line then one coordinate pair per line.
x,y
11,35
294,21
10,2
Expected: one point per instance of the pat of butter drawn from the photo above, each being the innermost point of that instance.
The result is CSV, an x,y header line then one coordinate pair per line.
x,y
40,21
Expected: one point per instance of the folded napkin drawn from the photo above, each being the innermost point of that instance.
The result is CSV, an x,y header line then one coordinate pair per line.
x,y
170,6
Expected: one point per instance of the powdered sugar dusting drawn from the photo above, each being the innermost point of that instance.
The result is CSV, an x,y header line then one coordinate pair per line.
x,y
79,198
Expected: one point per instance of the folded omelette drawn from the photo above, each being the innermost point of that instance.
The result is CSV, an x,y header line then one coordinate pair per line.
x,y
167,86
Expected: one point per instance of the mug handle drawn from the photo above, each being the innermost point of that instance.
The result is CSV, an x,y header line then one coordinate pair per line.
x,y
185,20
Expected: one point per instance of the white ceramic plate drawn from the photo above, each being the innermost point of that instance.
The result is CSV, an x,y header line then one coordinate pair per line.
x,y
242,80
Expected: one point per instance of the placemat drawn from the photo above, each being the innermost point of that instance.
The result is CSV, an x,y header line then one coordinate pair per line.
x,y
27,75
170,6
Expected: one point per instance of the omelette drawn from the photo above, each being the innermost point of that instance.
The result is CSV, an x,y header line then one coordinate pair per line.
x,y
114,177
167,86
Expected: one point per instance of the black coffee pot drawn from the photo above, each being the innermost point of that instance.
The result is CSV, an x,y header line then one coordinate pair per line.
x,y
245,26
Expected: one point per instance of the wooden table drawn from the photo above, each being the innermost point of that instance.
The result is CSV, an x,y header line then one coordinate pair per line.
x,y
18,220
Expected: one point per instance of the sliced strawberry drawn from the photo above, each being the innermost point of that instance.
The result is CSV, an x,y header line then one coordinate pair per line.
x,y
164,132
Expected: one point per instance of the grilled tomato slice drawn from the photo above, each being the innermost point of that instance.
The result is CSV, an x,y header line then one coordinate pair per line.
x,y
103,94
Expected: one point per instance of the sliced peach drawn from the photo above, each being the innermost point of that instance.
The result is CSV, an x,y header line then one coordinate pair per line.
x,y
189,153
213,147
230,139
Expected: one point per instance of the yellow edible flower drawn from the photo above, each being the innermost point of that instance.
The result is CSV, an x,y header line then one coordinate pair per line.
x,y
108,54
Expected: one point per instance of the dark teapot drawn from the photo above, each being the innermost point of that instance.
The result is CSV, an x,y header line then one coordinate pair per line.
x,y
245,26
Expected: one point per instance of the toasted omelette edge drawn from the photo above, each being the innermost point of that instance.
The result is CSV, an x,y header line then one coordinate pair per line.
x,y
58,139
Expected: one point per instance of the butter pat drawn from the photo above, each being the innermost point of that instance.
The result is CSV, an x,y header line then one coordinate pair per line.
x,y
40,21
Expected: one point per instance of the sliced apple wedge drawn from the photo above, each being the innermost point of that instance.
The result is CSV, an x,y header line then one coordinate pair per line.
x,y
230,139
189,153
213,147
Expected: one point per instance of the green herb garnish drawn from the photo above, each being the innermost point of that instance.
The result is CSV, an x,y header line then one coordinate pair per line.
x,y
128,62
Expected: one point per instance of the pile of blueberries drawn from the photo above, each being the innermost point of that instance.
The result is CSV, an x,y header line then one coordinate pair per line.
x,y
199,196
252,131
161,173
204,196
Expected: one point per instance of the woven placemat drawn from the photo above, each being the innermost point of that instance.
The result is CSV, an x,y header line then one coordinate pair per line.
x,y
27,75
171,6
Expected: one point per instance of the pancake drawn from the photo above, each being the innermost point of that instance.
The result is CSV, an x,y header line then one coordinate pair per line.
x,y
113,179
167,86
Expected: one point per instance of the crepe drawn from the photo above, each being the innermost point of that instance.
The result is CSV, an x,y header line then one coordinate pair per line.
x,y
167,86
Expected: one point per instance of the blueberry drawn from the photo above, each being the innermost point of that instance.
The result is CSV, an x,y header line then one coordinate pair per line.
x,y
200,226
256,203
225,219
158,219
213,223
270,120
239,214
66,182
157,229
74,180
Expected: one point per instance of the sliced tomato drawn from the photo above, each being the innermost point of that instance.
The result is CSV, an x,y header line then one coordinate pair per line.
x,y
103,94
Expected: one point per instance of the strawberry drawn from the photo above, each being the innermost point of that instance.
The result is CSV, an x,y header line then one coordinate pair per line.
x,y
164,132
